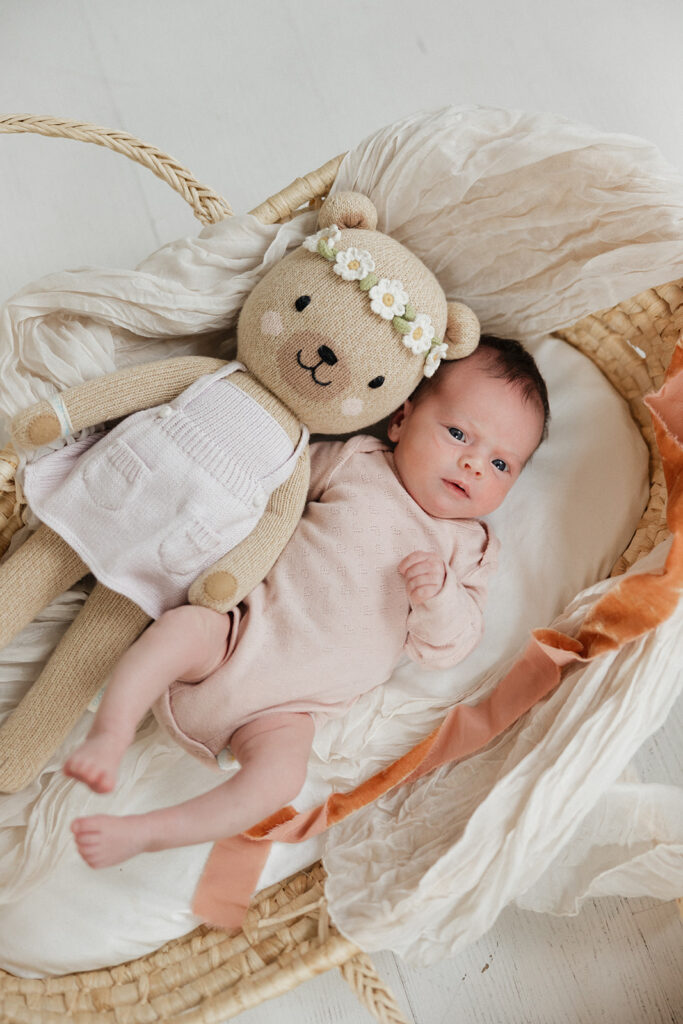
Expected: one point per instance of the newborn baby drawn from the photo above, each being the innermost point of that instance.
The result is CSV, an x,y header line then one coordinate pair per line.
x,y
391,558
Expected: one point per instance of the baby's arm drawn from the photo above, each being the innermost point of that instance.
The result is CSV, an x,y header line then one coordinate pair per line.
x,y
445,622
110,397
234,575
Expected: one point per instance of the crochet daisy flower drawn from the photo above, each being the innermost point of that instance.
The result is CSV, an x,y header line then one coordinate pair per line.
x,y
420,338
330,236
353,264
434,359
388,298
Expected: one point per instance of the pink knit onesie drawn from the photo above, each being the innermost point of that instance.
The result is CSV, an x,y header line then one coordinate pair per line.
x,y
333,619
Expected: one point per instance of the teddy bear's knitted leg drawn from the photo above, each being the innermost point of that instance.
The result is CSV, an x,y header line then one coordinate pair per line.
x,y
43,567
104,629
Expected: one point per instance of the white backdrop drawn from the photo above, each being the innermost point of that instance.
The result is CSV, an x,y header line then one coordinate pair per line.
x,y
250,95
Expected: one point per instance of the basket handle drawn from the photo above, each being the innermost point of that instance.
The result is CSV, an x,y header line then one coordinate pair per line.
x,y
309,189
207,206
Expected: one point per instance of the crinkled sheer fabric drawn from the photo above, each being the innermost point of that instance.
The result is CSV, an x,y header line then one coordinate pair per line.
x,y
532,220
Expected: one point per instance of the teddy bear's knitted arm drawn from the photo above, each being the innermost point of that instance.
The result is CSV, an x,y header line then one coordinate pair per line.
x,y
109,397
234,575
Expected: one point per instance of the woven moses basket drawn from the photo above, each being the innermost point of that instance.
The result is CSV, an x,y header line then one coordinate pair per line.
x,y
288,936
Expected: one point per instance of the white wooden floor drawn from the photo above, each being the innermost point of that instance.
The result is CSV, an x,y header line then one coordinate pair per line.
x,y
248,96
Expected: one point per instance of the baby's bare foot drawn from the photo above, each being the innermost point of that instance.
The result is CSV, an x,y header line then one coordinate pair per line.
x,y
97,760
103,839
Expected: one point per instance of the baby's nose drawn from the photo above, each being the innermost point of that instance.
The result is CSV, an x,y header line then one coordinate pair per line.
x,y
472,463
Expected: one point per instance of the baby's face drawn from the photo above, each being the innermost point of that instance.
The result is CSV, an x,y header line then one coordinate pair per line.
x,y
460,449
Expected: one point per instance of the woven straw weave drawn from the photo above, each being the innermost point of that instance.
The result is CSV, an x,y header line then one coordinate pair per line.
x,y
209,976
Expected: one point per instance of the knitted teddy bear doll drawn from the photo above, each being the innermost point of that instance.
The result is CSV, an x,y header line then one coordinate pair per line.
x,y
194,496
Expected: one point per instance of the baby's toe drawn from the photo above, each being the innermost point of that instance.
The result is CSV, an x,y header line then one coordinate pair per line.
x,y
86,828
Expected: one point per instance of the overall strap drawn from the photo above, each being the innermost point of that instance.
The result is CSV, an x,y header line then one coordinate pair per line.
x,y
284,471
194,390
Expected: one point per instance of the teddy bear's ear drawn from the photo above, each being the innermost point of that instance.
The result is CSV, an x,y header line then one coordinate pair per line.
x,y
348,210
462,331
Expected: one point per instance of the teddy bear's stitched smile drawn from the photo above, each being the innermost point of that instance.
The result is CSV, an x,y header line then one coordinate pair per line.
x,y
312,369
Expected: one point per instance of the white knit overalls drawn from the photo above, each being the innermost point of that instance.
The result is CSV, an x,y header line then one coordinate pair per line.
x,y
166,493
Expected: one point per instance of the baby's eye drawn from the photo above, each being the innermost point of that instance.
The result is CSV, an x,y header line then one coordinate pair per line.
x,y
457,433
500,464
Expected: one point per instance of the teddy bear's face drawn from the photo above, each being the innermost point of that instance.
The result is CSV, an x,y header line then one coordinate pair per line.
x,y
311,338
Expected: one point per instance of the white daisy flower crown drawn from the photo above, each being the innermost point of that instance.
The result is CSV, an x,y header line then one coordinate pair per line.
x,y
388,298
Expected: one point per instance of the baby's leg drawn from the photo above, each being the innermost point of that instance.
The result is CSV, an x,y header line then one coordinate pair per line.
x,y
273,754
186,642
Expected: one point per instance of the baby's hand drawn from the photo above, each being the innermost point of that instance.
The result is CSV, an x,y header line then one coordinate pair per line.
x,y
424,574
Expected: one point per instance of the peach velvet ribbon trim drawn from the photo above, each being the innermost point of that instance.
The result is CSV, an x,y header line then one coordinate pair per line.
x,y
634,606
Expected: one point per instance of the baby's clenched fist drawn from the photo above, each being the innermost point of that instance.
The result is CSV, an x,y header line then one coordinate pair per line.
x,y
424,573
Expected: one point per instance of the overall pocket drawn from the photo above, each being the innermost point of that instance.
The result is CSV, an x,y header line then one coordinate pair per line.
x,y
187,546
111,477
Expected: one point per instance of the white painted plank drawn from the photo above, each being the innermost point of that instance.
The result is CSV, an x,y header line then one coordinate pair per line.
x,y
592,969
660,759
63,204
661,932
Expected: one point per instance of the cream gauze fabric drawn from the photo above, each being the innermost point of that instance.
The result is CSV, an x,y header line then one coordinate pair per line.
x,y
534,222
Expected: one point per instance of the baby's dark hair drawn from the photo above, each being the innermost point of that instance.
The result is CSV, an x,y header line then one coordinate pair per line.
x,y
509,361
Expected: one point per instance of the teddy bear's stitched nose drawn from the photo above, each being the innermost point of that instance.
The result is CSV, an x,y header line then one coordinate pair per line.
x,y
327,355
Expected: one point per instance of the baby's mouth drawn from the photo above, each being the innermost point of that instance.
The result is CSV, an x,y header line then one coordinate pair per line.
x,y
458,488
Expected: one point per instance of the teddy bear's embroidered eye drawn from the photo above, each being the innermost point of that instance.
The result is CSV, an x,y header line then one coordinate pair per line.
x,y
376,382
302,302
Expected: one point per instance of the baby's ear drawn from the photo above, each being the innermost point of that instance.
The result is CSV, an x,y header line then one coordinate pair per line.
x,y
462,331
348,210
